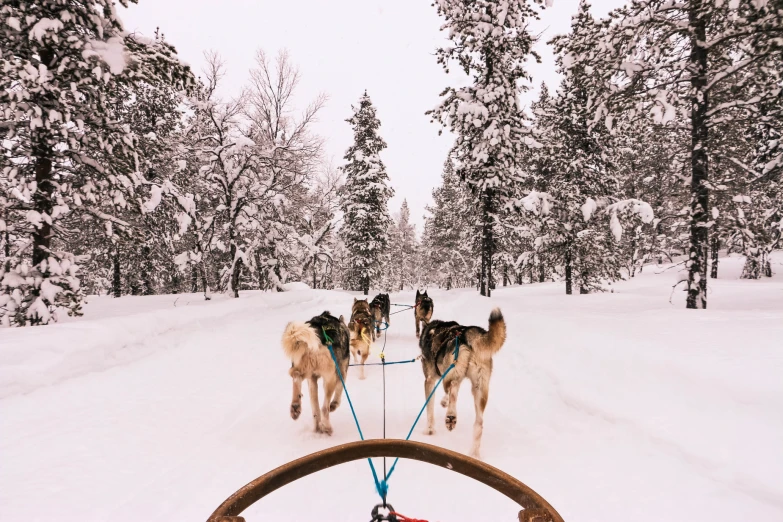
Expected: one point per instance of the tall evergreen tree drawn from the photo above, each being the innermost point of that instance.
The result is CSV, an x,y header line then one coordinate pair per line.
x,y
403,248
580,175
490,42
449,231
365,199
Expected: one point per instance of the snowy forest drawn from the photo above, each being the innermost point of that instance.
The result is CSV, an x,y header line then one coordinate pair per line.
x,y
125,173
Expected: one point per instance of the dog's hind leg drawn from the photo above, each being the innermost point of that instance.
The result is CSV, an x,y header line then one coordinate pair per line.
x,y
445,401
451,410
296,400
312,384
480,397
429,384
330,383
338,391
361,368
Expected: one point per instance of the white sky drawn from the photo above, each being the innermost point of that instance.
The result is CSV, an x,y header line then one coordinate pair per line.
x,y
343,47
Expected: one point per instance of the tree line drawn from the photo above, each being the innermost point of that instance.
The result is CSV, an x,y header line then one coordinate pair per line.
x,y
125,173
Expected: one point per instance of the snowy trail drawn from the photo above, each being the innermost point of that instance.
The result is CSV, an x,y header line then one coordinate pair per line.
x,y
614,407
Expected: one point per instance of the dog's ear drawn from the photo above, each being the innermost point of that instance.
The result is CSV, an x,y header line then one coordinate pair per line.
x,y
354,299
342,319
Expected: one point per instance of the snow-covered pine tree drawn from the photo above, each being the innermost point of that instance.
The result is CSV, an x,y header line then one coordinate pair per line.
x,y
447,243
538,262
63,66
490,42
366,219
403,248
674,57
146,264
579,175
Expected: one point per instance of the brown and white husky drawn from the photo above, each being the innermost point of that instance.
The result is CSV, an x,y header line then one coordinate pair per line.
x,y
306,345
474,361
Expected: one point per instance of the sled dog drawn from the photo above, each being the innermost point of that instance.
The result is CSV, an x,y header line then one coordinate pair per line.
x,y
474,361
362,332
379,310
306,345
423,311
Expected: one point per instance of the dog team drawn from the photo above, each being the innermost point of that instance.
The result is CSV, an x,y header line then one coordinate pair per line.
x,y
305,343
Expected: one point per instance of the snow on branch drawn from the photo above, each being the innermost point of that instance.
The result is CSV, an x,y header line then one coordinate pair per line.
x,y
538,203
632,206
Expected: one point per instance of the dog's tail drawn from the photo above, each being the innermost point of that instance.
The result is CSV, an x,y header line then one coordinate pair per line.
x,y
490,342
298,338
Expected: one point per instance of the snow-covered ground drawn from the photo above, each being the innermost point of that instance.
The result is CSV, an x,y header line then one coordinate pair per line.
x,y
615,407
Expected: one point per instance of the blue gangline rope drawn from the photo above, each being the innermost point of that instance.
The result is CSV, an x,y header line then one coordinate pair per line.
x,y
382,364
384,482
380,486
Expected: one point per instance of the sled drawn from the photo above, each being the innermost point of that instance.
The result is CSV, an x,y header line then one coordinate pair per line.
x,y
534,507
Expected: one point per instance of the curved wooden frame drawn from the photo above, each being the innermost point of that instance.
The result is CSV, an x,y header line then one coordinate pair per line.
x,y
535,508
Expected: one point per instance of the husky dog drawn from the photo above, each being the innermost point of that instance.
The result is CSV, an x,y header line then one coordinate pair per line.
x,y
362,332
306,345
422,313
379,310
474,361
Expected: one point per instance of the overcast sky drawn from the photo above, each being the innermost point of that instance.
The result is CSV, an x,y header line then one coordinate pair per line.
x,y
343,47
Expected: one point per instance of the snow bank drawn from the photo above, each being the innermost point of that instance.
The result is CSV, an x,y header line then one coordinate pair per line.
x,y
293,286
114,332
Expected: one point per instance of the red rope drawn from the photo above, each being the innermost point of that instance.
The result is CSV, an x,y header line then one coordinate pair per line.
x,y
403,518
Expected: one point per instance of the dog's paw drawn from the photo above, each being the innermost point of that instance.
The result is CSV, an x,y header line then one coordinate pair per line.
x,y
429,431
334,405
296,410
476,454
323,428
451,422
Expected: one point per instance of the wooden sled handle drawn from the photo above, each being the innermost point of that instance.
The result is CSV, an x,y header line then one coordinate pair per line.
x,y
535,508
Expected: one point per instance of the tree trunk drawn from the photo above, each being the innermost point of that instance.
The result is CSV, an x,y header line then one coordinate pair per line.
x,y
505,275
767,265
42,202
147,287
236,264
193,279
541,273
175,282
753,264
699,233
715,250
204,283
487,245
116,281
366,284
7,245
568,271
